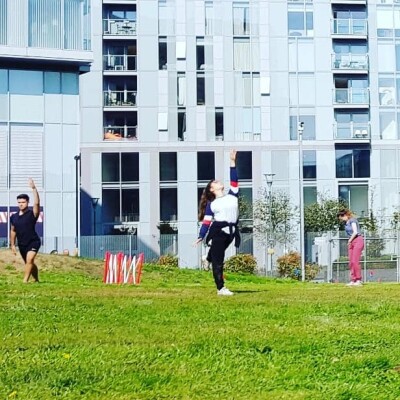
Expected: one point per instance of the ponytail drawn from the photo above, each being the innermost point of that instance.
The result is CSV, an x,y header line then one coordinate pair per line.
x,y
206,196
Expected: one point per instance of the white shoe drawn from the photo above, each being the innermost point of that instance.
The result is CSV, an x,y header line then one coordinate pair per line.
x,y
224,292
357,283
351,283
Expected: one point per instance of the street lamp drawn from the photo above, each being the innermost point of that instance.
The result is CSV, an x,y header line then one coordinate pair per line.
x,y
300,130
269,179
95,201
77,158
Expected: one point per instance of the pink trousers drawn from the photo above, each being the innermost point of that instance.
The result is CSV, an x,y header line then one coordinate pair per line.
x,y
355,250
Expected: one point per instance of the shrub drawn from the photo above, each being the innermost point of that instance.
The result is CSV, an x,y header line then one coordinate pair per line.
x,y
289,267
241,263
168,261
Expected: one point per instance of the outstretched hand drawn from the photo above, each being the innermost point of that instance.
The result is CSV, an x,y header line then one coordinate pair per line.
x,y
31,183
196,242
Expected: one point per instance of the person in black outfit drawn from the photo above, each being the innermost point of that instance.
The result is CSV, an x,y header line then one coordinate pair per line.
x,y
23,229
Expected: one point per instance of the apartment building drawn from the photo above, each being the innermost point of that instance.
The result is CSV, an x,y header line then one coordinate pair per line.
x,y
44,48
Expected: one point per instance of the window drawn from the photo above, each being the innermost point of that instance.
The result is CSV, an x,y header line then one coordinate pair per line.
x,y
247,89
352,161
387,93
52,82
310,195
388,22
201,89
309,164
205,165
181,89
241,19
356,197
200,54
26,82
387,125
168,167
309,127
182,124
242,55
168,204
300,20
219,123
69,83
3,22
162,53
244,165
209,17
3,81
120,167
352,124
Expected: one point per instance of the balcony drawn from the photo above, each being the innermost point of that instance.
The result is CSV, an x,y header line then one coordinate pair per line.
x,y
352,131
120,132
353,63
351,98
120,98
351,28
119,27
247,136
114,64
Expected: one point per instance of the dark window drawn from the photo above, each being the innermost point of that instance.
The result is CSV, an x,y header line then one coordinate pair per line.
x,y
110,206
181,123
168,167
201,90
130,205
309,164
110,167
219,122
200,60
352,161
205,165
244,165
168,204
162,53
130,167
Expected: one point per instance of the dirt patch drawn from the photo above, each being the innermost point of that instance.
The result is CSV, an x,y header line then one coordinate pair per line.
x,y
9,264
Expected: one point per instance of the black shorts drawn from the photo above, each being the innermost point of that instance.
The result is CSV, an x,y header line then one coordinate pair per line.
x,y
32,246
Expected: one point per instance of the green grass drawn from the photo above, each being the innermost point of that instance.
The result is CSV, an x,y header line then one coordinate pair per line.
x,y
72,337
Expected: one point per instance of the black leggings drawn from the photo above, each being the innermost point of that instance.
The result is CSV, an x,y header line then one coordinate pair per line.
x,y
220,242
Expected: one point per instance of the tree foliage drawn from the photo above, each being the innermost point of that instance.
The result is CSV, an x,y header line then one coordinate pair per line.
x,y
322,216
275,214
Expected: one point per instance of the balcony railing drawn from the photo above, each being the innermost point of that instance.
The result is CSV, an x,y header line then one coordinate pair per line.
x,y
120,132
352,96
119,27
119,63
349,61
349,27
352,130
120,98
248,136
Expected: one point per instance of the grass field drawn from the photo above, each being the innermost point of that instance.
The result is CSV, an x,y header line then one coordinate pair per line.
x,y
72,337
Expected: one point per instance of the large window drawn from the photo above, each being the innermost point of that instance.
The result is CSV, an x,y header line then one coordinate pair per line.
x,y
308,125
300,20
356,197
120,167
309,164
168,167
201,88
244,165
181,89
388,21
209,17
181,124
241,18
219,123
200,54
168,204
162,53
352,161
205,165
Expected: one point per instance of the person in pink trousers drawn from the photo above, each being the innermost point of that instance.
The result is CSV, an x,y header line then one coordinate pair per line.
x,y
355,245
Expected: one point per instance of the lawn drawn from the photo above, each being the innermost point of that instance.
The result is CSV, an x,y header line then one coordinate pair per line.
x,y
72,337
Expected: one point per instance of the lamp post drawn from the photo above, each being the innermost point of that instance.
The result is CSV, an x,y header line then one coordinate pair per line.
x,y
95,201
270,250
77,158
300,130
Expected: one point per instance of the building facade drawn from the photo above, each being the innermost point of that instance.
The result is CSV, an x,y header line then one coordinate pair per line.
x,y
44,48
175,84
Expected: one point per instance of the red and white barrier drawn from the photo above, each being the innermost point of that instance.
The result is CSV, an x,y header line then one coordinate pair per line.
x,y
121,269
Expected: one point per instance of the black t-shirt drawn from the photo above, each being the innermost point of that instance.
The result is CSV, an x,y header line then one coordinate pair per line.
x,y
24,226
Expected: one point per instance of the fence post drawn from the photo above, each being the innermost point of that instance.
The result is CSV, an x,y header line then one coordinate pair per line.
x,y
329,272
365,255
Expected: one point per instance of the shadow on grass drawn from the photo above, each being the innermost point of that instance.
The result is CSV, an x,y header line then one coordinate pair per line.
x,y
250,291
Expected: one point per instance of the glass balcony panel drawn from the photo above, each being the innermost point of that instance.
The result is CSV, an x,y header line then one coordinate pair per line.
x,y
352,130
347,26
119,27
351,96
120,132
349,61
119,62
120,98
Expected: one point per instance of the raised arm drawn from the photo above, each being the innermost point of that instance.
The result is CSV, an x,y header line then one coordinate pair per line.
x,y
234,186
36,199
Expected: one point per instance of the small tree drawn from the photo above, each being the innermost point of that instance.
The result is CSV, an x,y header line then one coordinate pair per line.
x,y
322,216
275,214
